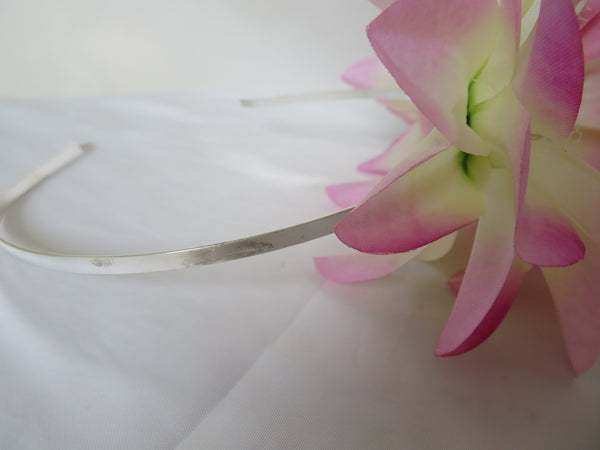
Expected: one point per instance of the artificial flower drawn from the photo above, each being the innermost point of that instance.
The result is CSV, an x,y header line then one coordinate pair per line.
x,y
503,133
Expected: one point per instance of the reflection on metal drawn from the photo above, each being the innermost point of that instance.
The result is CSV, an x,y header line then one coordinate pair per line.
x,y
157,261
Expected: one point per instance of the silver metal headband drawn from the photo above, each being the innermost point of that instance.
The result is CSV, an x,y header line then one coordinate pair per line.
x,y
187,257
156,261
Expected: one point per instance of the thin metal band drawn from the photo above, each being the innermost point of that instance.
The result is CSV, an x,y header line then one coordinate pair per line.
x,y
157,261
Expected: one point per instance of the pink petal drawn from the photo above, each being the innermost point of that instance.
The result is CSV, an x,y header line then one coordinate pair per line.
x,y
382,4
455,281
425,124
377,165
587,13
385,161
504,122
411,208
544,236
405,109
438,249
585,144
498,73
495,314
406,146
590,36
570,184
349,194
553,79
576,294
368,73
360,266
589,114
491,280
433,49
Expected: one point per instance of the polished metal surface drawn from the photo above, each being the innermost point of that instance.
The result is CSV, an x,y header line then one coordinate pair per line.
x,y
157,261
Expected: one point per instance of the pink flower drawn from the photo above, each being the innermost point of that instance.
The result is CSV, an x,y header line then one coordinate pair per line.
x,y
504,133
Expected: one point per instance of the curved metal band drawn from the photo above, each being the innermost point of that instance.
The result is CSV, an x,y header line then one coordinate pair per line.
x,y
158,261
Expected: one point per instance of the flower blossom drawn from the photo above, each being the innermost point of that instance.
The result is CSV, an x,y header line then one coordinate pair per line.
x,y
504,133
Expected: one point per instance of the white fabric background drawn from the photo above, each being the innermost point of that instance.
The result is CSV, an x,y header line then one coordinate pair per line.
x,y
257,353
83,47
